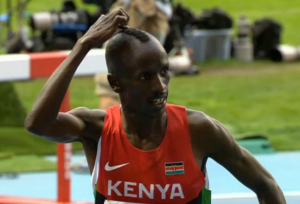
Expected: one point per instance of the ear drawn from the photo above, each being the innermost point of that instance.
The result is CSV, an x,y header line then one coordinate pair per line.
x,y
114,82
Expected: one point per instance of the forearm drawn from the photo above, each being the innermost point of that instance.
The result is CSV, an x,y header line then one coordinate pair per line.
x,y
271,194
48,102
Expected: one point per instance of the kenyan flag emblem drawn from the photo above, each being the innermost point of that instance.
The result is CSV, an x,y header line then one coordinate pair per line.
x,y
172,168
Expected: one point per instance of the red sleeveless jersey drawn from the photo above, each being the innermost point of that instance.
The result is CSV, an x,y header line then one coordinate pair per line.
x,y
168,174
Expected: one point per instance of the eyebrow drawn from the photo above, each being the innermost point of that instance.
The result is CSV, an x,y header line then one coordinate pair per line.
x,y
166,65
138,73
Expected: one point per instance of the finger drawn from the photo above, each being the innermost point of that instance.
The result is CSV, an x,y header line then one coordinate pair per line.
x,y
124,27
120,21
99,19
121,12
126,14
116,12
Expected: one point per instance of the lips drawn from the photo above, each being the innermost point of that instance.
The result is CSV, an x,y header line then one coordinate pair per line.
x,y
158,101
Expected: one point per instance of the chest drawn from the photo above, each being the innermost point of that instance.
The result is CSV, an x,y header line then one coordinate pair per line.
x,y
166,174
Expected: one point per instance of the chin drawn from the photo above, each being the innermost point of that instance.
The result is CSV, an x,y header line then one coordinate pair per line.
x,y
149,110
155,113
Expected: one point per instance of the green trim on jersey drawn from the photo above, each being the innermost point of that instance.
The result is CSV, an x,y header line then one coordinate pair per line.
x,y
95,191
206,196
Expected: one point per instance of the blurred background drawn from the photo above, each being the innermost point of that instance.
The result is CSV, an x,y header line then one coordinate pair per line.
x,y
237,61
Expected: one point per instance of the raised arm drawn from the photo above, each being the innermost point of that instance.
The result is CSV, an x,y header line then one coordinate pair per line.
x,y
223,148
44,118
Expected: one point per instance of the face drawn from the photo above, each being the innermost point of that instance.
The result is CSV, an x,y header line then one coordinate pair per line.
x,y
144,85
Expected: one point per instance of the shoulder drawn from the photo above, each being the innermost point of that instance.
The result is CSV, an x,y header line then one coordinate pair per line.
x,y
207,133
195,118
199,120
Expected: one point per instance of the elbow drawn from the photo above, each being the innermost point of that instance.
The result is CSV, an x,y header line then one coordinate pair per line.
x,y
30,126
33,126
32,129
269,189
28,123
266,185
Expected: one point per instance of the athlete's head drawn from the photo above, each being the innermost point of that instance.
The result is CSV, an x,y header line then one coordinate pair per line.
x,y
138,70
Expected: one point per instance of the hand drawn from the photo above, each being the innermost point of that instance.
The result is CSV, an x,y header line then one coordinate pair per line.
x,y
104,28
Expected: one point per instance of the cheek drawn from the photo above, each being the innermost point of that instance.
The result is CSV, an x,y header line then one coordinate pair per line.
x,y
138,96
134,93
167,80
138,93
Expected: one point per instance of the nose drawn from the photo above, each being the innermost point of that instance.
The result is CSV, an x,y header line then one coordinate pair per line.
x,y
158,85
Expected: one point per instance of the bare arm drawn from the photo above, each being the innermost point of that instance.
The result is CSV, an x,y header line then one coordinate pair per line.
x,y
45,111
44,118
74,126
241,163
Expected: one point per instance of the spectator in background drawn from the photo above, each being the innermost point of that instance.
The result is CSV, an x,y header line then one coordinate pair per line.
x,y
148,15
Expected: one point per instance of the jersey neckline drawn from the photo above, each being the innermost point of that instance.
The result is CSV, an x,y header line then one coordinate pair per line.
x,y
161,145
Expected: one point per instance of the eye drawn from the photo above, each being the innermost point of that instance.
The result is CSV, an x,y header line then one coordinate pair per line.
x,y
165,70
145,76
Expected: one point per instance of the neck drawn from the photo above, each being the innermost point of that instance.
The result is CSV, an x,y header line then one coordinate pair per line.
x,y
142,126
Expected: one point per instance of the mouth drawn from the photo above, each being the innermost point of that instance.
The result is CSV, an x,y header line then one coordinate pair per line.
x,y
158,101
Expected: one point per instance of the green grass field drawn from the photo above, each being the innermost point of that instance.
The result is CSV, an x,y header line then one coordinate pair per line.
x,y
26,163
260,97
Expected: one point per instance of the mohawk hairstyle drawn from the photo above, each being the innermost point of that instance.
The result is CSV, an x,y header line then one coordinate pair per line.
x,y
138,34
119,44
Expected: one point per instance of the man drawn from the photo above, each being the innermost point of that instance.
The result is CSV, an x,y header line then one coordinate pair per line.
x,y
148,15
145,151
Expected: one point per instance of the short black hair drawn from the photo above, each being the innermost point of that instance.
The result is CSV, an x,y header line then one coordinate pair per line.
x,y
118,43
138,34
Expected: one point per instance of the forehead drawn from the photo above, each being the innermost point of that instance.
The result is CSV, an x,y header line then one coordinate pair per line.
x,y
145,56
